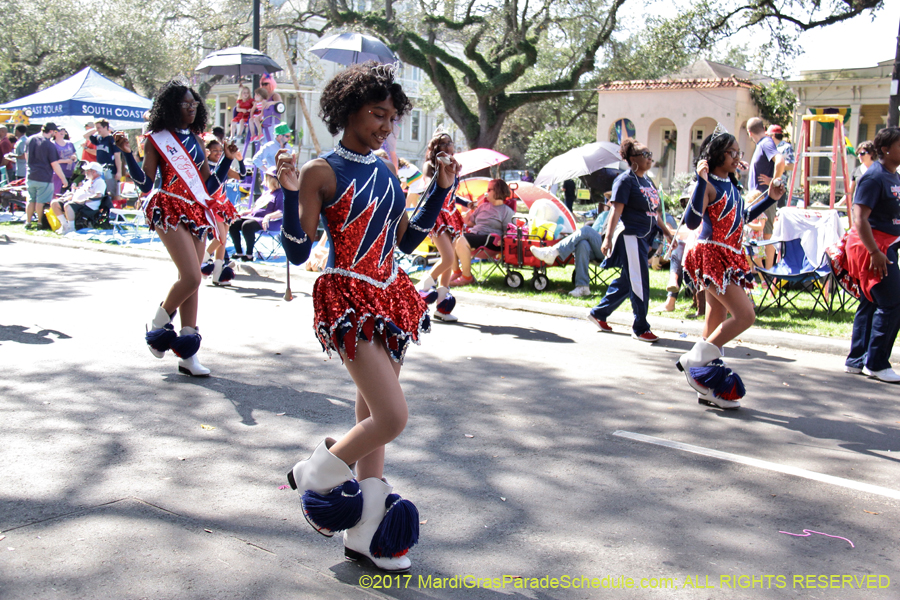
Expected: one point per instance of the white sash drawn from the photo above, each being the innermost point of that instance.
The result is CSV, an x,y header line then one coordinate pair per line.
x,y
173,152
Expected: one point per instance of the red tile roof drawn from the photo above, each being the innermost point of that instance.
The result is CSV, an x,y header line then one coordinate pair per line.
x,y
673,84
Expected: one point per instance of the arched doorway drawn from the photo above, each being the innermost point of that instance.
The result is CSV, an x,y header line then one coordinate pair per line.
x,y
621,129
662,139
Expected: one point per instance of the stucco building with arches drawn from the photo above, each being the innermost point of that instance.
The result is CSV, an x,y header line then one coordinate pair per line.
x,y
674,114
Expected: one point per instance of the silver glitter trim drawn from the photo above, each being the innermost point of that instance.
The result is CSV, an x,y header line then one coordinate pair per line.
x,y
366,159
292,238
162,191
379,284
721,245
417,228
717,178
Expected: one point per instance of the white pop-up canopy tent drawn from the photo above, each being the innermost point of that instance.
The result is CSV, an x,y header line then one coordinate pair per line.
x,y
84,97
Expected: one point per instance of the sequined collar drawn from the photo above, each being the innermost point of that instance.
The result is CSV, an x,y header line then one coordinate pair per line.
x,y
717,178
347,154
183,131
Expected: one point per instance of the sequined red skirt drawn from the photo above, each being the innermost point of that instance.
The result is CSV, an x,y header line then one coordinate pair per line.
x,y
449,221
348,309
709,264
223,209
165,211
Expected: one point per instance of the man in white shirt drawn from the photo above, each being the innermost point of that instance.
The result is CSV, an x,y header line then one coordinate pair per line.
x,y
83,199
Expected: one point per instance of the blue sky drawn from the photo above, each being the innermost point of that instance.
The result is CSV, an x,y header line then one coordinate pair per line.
x,y
859,42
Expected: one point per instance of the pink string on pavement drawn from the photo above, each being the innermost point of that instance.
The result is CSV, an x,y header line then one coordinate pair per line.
x,y
807,532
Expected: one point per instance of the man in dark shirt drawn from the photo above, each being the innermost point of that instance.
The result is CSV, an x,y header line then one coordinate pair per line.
x,y
107,154
767,164
43,161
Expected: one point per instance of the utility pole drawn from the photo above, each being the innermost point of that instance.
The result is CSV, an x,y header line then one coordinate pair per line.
x,y
255,40
893,116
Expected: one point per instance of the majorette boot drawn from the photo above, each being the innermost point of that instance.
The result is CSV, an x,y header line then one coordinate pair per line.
x,y
700,355
389,527
716,384
330,496
186,347
160,333
221,274
444,305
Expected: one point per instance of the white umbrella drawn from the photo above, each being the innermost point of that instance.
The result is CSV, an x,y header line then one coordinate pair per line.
x,y
351,48
237,61
578,162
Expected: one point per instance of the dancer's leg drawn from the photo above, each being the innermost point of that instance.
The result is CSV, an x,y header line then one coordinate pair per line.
x,y
736,302
186,251
381,409
716,313
441,269
217,247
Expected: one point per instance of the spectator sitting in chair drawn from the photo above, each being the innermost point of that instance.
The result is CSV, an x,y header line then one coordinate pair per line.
x,y
266,215
488,218
586,244
83,200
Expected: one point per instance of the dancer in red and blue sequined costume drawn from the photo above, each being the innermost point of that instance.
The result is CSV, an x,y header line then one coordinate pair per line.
x,y
180,218
717,263
366,308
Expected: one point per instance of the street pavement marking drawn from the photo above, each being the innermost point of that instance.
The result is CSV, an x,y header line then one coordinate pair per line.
x,y
763,464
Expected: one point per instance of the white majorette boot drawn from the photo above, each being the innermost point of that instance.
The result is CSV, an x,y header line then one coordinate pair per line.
x,y
700,355
444,305
330,496
186,347
710,399
389,527
160,333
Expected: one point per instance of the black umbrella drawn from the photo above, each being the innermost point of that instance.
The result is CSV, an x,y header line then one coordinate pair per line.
x,y
237,61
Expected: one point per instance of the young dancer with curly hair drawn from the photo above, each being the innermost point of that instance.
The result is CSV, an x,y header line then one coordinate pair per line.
x,y
179,211
630,228
366,308
435,287
717,263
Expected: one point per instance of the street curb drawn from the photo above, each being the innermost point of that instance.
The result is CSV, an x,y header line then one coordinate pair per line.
x,y
755,335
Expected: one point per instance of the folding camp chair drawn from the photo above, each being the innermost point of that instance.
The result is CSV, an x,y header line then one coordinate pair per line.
x,y
273,246
600,276
803,236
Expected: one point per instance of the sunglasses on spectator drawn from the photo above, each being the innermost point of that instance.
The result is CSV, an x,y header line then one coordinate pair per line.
x,y
645,154
735,154
189,105
861,152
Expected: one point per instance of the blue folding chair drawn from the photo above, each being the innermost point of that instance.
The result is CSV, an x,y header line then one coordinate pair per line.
x,y
793,275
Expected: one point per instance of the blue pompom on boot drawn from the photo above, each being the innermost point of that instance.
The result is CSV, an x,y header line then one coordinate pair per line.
x,y
445,305
160,333
388,528
186,347
330,496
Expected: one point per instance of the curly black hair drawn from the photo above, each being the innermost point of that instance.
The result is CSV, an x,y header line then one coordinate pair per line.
x,y
886,138
712,150
437,143
166,110
356,86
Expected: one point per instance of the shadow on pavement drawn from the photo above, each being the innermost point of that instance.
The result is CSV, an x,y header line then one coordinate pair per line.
x,y
20,334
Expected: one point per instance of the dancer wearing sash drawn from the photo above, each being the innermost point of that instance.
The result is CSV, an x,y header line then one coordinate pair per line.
x,y
716,262
435,287
178,211
366,308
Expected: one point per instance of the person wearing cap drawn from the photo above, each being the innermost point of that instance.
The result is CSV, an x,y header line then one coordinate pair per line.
x,y
784,148
43,162
266,214
767,164
586,243
82,200
108,154
265,158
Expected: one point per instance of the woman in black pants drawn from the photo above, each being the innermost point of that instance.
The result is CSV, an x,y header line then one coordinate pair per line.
x,y
266,214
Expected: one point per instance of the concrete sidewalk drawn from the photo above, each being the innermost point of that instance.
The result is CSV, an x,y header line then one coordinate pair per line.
x,y
302,280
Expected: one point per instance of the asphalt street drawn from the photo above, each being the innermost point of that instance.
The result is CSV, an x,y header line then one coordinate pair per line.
x,y
538,450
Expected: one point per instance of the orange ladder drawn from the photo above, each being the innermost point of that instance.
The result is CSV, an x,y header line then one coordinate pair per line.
x,y
836,152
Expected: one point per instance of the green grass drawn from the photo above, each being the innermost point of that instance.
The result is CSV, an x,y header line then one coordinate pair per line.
x,y
838,325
